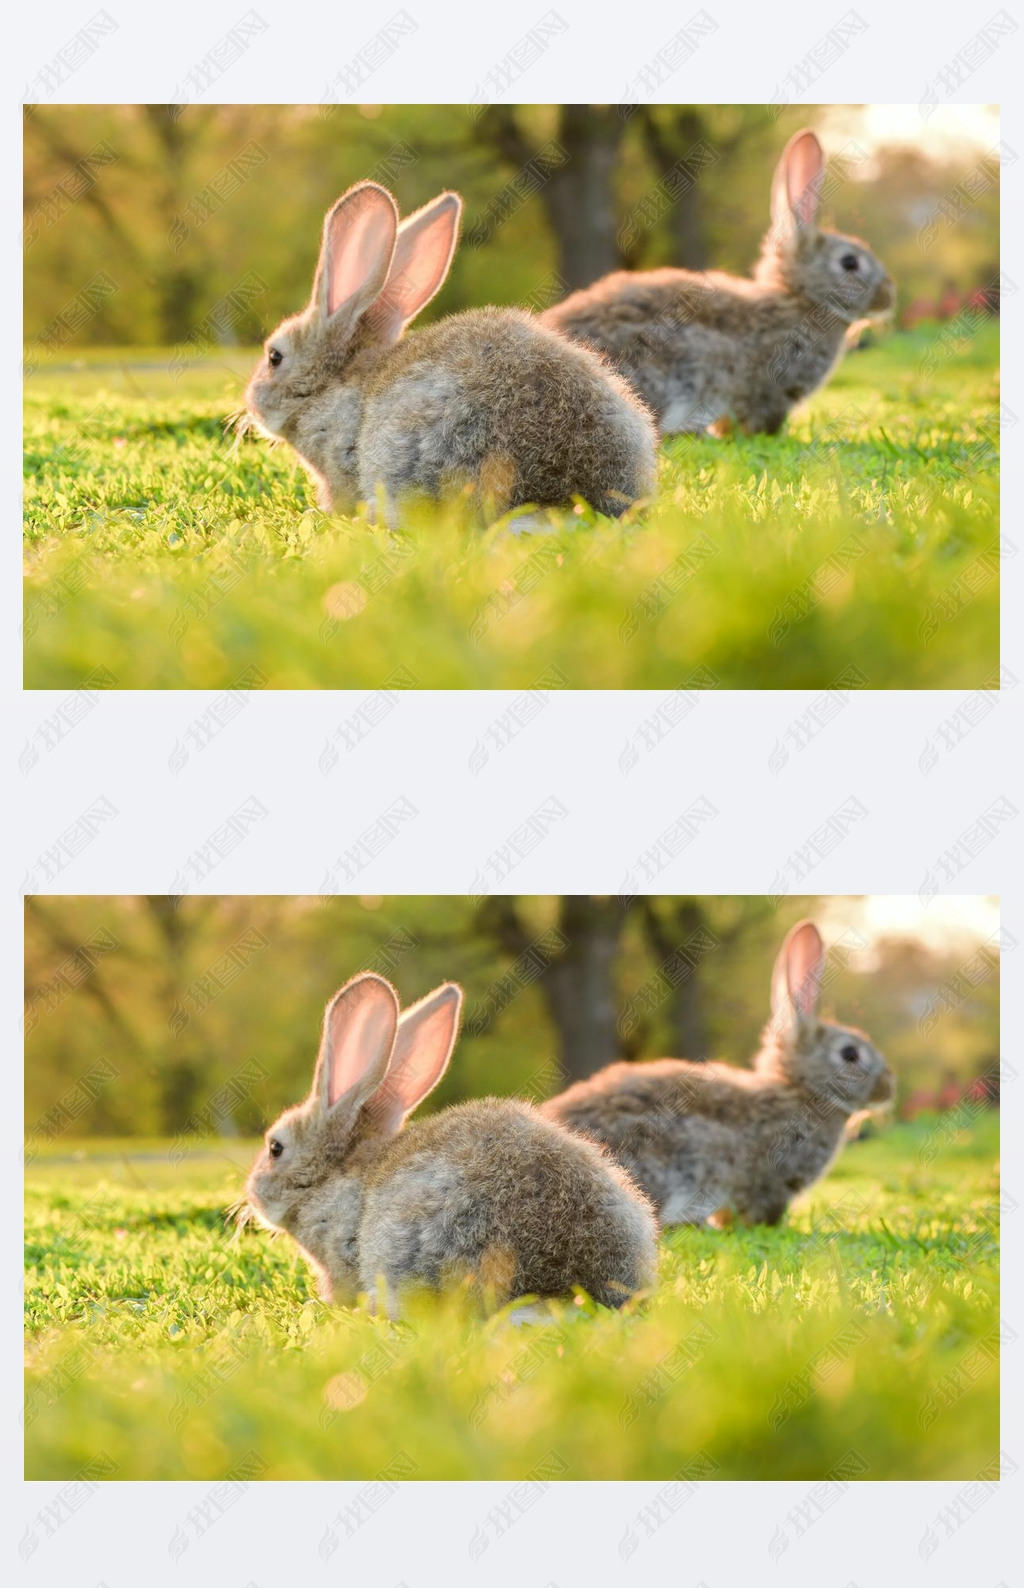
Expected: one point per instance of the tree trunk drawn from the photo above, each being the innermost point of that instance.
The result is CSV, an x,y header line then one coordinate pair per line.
x,y
580,195
180,1066
578,984
690,249
178,285
679,161
678,946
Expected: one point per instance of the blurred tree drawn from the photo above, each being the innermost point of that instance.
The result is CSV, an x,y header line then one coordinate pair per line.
x,y
48,933
671,142
182,1068
578,982
695,152
113,227
576,185
60,139
698,946
179,205
179,283
206,1010
676,922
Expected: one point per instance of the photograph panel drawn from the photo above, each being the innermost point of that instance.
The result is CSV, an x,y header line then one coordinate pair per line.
x,y
521,1188
512,396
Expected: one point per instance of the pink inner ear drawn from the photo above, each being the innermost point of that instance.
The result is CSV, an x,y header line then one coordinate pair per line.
x,y
804,172
805,962
423,1046
422,257
361,238
360,1032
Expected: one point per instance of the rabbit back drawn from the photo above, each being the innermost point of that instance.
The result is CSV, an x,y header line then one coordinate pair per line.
x,y
492,399
488,403
740,350
490,1189
714,1138
699,1138
677,1128
701,348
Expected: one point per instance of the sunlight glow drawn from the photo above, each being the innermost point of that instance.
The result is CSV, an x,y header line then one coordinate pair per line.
x,y
947,131
947,922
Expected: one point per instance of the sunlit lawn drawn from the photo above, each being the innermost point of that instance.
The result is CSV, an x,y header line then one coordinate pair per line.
x,y
857,1341
859,550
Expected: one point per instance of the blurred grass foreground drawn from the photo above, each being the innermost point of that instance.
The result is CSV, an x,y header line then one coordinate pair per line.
x,y
857,1342
859,550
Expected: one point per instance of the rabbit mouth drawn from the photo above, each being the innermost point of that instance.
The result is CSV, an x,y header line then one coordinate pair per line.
x,y
263,424
885,1088
884,298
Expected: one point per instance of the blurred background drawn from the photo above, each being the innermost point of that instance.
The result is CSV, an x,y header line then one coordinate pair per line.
x,y
198,1017
151,224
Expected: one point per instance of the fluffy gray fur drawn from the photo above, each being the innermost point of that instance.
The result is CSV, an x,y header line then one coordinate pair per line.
x,y
709,350
488,1193
710,1141
490,404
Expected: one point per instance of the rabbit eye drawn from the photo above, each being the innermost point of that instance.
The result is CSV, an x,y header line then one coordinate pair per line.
x,y
850,262
275,1148
849,1053
274,357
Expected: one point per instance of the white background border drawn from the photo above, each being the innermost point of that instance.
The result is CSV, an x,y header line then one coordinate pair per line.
x,y
913,824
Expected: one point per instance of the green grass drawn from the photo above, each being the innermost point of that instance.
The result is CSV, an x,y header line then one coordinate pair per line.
x,y
857,549
856,1340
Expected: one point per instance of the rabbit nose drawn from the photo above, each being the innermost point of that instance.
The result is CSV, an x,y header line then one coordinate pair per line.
x,y
885,296
885,1088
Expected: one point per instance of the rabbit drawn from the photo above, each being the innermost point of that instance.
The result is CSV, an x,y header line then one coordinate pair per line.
x,y
708,350
489,399
488,1191
709,1142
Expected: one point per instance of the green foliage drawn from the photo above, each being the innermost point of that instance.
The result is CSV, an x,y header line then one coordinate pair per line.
x,y
178,206
857,1340
861,544
200,1018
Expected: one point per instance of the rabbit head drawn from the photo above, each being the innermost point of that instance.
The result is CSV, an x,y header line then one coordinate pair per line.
x,y
373,276
373,1069
841,274
837,1066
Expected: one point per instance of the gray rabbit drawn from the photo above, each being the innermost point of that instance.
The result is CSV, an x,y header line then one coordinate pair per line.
x,y
487,1192
489,401
709,350
709,1141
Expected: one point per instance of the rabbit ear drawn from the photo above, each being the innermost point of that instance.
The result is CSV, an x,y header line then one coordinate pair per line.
x,y
796,188
423,1047
796,979
359,1033
421,262
355,255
